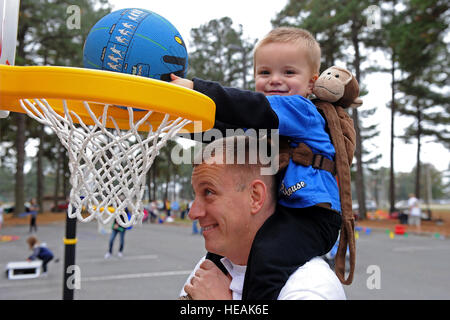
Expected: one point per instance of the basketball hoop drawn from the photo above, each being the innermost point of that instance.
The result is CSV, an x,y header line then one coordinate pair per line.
x,y
112,125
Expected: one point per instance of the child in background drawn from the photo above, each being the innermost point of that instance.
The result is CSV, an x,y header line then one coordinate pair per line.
x,y
33,209
41,252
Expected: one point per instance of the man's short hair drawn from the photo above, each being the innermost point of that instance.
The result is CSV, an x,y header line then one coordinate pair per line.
x,y
242,153
302,37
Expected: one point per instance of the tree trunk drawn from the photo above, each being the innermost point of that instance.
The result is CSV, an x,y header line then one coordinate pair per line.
x,y
360,188
174,189
40,174
148,181
154,182
419,134
392,172
359,181
20,149
58,177
66,174
20,135
166,191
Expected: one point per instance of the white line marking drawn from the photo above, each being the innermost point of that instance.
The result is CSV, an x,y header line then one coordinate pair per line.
x,y
115,258
137,275
30,283
419,248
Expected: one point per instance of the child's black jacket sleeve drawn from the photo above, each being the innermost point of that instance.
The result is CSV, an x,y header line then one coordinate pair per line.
x,y
238,108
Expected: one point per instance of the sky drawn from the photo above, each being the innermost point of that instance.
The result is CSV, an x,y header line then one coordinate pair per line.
x,y
255,16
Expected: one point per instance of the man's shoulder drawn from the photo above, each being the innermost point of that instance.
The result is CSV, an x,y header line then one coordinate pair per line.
x,y
313,281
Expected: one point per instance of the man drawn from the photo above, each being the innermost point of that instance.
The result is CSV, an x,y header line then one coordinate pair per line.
x,y
232,202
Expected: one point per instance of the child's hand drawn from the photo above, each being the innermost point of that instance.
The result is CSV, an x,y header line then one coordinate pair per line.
x,y
181,82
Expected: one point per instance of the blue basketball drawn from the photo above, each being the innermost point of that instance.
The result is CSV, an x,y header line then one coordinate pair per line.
x,y
136,41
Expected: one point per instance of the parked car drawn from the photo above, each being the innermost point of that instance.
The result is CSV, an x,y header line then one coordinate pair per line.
x,y
61,207
401,205
370,206
9,207
403,209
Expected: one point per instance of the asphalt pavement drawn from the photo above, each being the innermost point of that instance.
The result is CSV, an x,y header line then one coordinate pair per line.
x,y
159,257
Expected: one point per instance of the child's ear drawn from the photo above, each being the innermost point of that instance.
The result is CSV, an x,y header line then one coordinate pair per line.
x,y
311,82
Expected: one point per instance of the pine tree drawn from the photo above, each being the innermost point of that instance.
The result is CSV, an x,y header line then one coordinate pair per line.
x,y
342,31
220,53
424,26
45,39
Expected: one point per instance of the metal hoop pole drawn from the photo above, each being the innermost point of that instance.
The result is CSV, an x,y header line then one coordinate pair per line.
x,y
69,257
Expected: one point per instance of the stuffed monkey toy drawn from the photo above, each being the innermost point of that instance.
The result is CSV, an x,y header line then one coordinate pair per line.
x,y
337,89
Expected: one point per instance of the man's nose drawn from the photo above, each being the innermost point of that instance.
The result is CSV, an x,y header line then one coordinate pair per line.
x,y
197,210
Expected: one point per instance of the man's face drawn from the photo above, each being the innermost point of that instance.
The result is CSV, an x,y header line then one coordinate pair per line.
x,y
283,69
222,208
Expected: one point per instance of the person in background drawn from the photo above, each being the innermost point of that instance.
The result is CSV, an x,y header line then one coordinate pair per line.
x,y
153,211
34,209
414,218
116,229
174,208
194,221
41,252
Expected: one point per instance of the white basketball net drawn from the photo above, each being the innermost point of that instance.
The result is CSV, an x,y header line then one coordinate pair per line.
x,y
108,167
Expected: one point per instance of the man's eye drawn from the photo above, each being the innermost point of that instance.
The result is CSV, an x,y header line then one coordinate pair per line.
x,y
207,192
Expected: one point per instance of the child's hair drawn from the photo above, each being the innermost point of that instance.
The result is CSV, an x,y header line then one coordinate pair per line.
x,y
32,240
301,36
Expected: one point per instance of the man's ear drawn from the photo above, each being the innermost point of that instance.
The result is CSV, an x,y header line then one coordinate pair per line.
x,y
258,194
